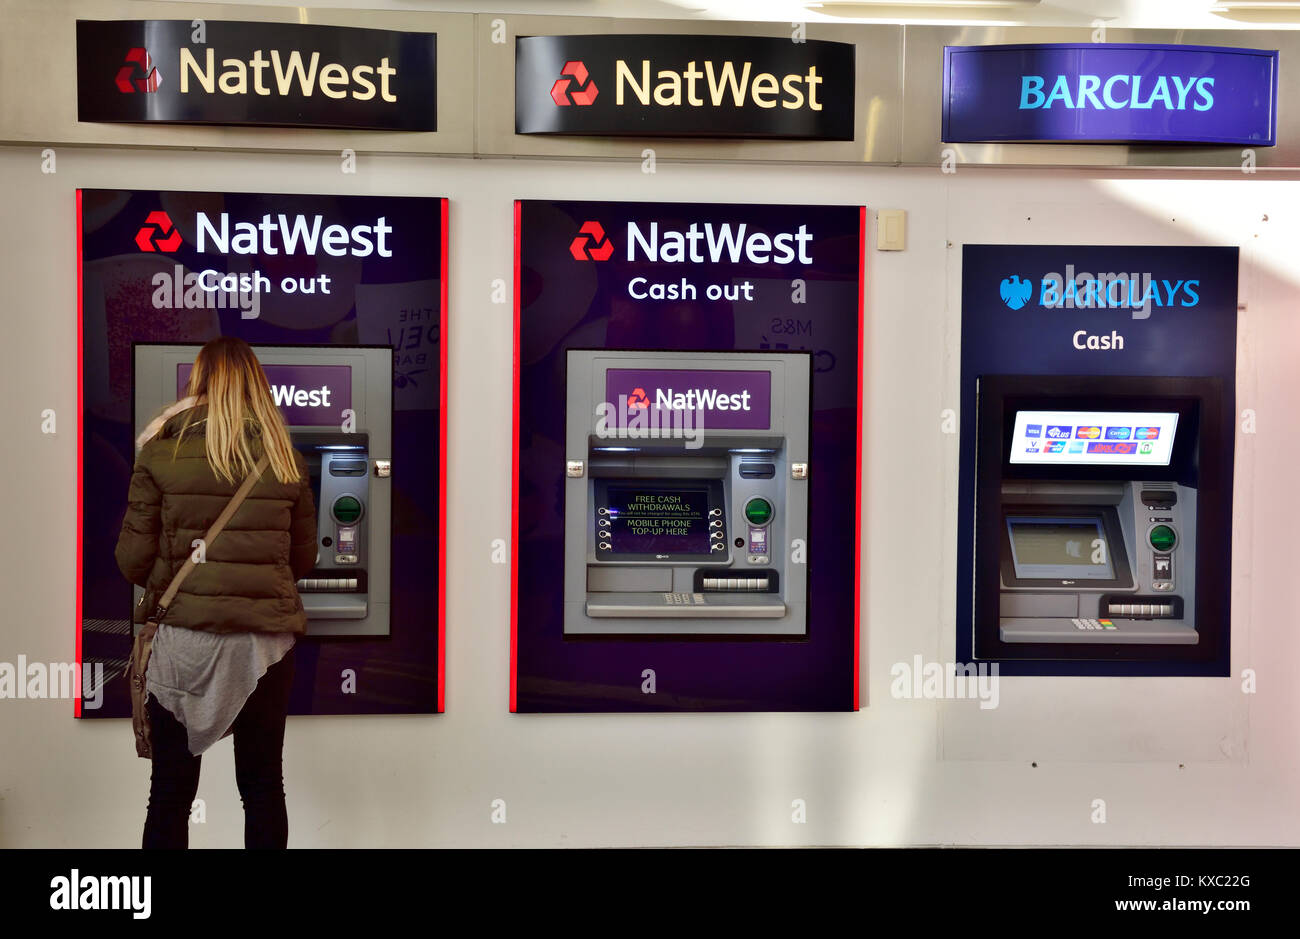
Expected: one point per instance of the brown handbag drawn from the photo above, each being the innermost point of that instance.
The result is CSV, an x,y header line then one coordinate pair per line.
x,y
143,645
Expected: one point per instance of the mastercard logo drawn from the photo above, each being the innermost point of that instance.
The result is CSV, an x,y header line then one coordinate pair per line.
x,y
1087,433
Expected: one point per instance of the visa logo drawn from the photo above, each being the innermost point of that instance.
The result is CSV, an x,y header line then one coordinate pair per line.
x,y
1147,433
1033,430
1088,433
1118,433
1032,448
1057,432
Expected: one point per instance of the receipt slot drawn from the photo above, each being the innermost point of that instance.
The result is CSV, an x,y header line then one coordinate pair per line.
x,y
1087,509
686,493
337,403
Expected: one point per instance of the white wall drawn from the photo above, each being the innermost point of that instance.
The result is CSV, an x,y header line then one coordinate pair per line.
x,y
1178,761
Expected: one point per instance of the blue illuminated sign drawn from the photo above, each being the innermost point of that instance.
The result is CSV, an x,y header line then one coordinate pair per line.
x,y
1110,93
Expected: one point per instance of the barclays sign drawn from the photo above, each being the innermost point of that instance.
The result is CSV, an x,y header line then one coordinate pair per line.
x,y
1110,93
1138,292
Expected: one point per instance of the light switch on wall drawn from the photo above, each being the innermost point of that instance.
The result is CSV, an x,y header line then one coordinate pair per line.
x,y
891,229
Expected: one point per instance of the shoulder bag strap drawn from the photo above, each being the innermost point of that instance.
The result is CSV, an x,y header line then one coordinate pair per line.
x,y
235,501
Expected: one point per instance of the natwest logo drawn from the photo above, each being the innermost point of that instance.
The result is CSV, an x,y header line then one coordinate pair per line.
x,y
591,243
694,399
283,234
563,91
638,399
288,74
716,243
158,234
138,63
293,396
724,84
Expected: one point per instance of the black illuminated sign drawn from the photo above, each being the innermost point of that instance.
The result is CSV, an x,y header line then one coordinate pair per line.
x,y
275,74
684,86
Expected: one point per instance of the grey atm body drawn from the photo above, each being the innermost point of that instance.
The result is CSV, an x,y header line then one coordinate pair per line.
x,y
1152,597
750,589
348,592
1088,552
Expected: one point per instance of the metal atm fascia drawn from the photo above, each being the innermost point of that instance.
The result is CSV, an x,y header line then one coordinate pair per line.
x,y
349,591
1131,579
732,591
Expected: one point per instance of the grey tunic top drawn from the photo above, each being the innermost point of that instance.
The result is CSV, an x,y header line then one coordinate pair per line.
x,y
204,678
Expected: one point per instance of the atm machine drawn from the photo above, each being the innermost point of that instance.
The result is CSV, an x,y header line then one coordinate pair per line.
x,y
686,488
337,402
1090,513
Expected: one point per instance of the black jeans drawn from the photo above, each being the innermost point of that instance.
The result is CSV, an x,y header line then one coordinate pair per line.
x,y
259,767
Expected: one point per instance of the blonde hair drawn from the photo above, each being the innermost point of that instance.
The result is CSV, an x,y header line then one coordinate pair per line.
x,y
227,374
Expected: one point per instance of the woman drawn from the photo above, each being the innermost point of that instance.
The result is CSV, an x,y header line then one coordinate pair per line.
x,y
223,659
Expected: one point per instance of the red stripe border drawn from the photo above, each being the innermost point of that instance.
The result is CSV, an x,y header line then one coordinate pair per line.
x,y
442,473
514,480
76,701
857,499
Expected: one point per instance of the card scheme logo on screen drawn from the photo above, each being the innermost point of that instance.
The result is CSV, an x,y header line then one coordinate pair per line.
x,y
1076,446
1033,430
1056,446
1119,433
1146,433
1088,433
1107,447
1058,431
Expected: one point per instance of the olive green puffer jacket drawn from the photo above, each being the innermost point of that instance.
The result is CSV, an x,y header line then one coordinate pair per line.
x,y
247,581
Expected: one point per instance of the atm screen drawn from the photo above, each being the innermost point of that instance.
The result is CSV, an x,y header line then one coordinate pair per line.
x,y
1093,438
654,519
1046,548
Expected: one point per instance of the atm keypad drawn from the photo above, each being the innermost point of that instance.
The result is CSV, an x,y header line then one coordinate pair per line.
x,y
683,598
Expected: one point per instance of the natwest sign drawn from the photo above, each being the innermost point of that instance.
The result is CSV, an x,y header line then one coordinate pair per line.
x,y
291,234
280,74
307,395
1110,93
684,86
706,253
726,400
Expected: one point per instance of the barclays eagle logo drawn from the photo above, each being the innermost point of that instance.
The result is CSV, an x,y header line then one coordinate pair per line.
x,y
1016,291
